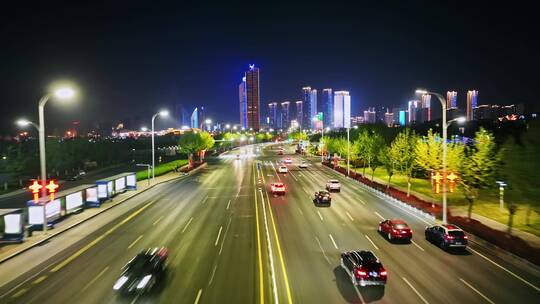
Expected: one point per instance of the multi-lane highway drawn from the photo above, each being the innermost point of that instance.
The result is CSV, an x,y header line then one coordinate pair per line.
x,y
231,241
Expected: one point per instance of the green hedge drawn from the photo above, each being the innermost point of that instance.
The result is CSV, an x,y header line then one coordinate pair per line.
x,y
162,169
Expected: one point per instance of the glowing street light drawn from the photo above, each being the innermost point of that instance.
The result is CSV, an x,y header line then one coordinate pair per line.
x,y
163,113
144,129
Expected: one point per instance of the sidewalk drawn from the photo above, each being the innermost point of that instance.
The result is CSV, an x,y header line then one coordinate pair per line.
x,y
8,251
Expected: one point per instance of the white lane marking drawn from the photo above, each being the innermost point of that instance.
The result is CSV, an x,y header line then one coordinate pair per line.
x,y
361,201
189,222
204,200
198,296
135,299
228,205
212,276
380,216
307,192
414,243
415,291
320,216
293,176
272,269
367,237
300,210
157,221
476,290
95,279
225,235
219,234
359,295
510,272
347,212
136,240
333,242
322,249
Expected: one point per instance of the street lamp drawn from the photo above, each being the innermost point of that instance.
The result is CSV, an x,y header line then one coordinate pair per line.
x,y
61,93
144,129
501,193
348,149
445,125
164,114
227,126
24,123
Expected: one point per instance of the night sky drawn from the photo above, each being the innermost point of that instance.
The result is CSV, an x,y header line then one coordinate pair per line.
x,y
130,60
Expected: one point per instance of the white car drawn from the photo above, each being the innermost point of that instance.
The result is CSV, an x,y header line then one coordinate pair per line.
x,y
333,185
283,169
288,160
303,165
278,188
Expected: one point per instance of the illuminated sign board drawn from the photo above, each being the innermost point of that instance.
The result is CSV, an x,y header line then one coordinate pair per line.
x,y
120,184
92,195
131,181
74,201
13,224
35,213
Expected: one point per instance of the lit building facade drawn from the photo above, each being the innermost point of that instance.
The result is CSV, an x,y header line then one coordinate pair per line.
x,y
299,113
285,114
309,107
327,107
370,116
412,109
451,100
426,108
249,94
472,103
342,109
273,115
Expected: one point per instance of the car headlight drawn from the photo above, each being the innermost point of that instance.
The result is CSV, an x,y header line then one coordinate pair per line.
x,y
144,281
120,282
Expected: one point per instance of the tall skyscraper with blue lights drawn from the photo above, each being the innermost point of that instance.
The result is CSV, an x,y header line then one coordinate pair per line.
x,y
273,114
472,103
342,109
451,100
285,114
327,107
309,107
249,95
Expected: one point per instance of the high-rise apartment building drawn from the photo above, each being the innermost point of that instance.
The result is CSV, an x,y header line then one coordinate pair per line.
x,y
309,107
389,118
412,109
342,109
472,103
451,100
285,114
425,109
327,107
299,113
273,115
250,99
370,116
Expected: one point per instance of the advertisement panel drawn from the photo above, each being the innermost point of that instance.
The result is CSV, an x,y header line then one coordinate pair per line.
x,y
53,209
102,191
13,224
92,195
35,215
74,202
110,188
131,181
120,185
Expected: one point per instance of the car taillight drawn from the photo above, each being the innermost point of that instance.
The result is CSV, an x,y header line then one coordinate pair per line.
x,y
449,237
466,237
411,230
383,273
394,231
360,273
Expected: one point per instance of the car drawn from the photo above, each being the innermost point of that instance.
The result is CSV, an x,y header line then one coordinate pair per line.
x,y
303,165
333,185
143,272
237,156
364,268
395,230
322,197
288,160
283,169
447,236
277,188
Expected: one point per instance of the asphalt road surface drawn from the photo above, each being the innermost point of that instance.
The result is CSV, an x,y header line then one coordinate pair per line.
x,y
231,241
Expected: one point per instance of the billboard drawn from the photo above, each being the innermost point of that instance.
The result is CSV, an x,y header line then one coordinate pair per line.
x,y
13,224
120,185
74,202
35,213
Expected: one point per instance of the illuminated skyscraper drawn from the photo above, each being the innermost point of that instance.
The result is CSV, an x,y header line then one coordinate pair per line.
x,y
342,109
413,107
299,113
309,107
195,118
426,108
285,114
273,114
389,118
327,108
451,100
472,103
250,99
370,116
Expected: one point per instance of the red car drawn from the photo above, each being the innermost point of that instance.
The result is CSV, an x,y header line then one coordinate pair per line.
x,y
277,188
395,230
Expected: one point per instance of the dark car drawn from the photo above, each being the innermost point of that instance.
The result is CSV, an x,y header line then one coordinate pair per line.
x,y
364,268
447,236
395,230
141,273
322,197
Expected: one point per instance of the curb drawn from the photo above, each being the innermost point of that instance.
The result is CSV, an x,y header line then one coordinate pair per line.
x,y
91,217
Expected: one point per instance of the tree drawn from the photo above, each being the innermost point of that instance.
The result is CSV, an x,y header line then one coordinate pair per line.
x,y
367,148
403,150
207,142
388,161
429,153
190,143
477,171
